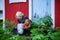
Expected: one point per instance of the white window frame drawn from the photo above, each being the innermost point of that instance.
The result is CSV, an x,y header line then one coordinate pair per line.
x,y
4,16
16,1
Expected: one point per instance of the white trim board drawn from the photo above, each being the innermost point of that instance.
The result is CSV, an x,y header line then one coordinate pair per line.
x,y
4,15
52,11
30,9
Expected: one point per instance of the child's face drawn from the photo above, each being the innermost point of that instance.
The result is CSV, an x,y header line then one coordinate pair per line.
x,y
19,17
27,22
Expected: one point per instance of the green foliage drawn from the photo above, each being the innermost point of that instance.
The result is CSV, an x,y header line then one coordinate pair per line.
x,y
43,30
9,26
40,37
6,34
1,26
55,35
14,37
1,23
34,32
34,25
42,25
4,37
17,37
51,35
45,22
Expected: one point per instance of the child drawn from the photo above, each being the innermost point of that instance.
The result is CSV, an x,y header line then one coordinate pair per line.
x,y
26,24
26,27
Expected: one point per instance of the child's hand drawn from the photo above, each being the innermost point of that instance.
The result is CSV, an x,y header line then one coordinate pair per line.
x,y
23,26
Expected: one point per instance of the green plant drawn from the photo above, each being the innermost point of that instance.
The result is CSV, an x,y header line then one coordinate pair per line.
x,y
4,37
45,22
17,37
14,37
43,30
1,23
52,35
55,35
5,34
34,32
40,37
9,26
1,26
34,25
42,24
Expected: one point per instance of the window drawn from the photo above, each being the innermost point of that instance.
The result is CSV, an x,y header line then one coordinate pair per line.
x,y
15,1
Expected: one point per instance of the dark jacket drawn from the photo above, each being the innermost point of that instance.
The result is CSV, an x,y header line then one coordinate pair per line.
x,y
23,19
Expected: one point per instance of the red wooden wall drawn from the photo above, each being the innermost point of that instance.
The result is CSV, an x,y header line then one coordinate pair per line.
x,y
11,9
57,13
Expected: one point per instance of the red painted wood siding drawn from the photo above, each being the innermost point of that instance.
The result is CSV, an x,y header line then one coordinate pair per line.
x,y
11,9
57,13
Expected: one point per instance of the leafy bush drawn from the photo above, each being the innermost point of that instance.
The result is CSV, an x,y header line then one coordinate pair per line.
x,y
34,25
45,22
17,37
1,26
6,34
55,35
34,32
14,37
40,37
42,25
9,26
51,35
43,30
